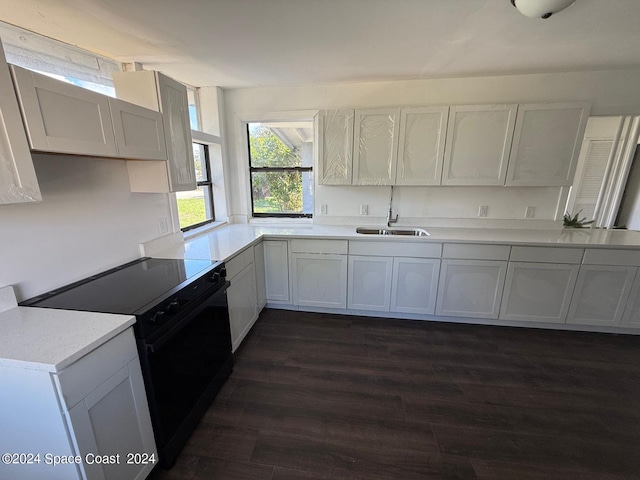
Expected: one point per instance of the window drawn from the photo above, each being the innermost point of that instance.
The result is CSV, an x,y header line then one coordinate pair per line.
x,y
195,208
280,165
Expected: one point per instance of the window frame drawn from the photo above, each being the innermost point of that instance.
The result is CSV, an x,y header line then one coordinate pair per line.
x,y
253,169
208,182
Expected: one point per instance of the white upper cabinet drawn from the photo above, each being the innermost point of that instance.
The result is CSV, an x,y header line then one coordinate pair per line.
x,y
158,92
421,145
335,147
375,146
546,144
63,118
478,144
139,131
18,182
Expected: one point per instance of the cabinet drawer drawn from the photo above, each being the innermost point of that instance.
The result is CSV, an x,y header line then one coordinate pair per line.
x,y
546,255
593,256
239,262
476,252
319,246
88,373
396,249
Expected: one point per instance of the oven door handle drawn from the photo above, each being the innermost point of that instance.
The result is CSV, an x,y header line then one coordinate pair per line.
x,y
157,344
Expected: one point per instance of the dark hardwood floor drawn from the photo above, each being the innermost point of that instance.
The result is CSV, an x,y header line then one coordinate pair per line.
x,y
317,396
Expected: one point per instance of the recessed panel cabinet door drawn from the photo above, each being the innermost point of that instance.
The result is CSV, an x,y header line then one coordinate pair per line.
x,y
601,294
319,280
632,312
276,264
470,288
18,182
421,145
546,144
139,131
114,419
369,285
242,296
63,118
538,292
478,144
414,285
177,131
335,147
375,146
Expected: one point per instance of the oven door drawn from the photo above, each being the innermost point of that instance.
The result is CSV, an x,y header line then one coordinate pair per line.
x,y
184,370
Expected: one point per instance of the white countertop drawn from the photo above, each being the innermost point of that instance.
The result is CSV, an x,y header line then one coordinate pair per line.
x,y
225,242
49,339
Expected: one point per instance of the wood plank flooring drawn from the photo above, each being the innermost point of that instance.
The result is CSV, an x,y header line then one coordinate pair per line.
x,y
316,396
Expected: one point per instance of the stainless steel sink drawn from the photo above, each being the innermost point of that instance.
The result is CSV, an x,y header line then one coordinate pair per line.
x,y
412,232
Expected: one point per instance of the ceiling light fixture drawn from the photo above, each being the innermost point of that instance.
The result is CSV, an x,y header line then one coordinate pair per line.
x,y
541,8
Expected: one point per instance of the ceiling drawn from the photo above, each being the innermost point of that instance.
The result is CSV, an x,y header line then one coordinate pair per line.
x,y
247,43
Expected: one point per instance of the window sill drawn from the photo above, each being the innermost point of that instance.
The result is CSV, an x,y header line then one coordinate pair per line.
x,y
280,220
203,229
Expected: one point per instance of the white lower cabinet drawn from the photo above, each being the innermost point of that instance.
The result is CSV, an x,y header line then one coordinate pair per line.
x,y
470,288
632,312
601,294
242,295
276,265
319,280
369,283
538,292
261,287
94,409
414,285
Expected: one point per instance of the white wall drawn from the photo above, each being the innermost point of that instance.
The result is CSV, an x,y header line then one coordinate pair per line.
x,y
88,221
610,92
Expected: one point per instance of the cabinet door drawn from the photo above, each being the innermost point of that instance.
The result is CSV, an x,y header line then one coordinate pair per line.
x,y
335,147
114,419
63,118
276,264
258,260
546,144
319,280
243,304
369,284
414,285
421,145
478,144
538,292
601,294
470,288
177,131
632,312
18,182
139,131
375,146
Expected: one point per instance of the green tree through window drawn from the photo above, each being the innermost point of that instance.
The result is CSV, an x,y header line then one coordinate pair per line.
x,y
278,176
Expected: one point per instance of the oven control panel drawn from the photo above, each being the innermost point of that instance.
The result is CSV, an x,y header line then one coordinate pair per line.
x,y
170,310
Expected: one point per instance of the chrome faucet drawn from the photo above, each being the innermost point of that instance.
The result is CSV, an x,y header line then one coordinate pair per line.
x,y
390,218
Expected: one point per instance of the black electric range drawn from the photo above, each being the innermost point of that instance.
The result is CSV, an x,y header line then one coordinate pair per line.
x,y
182,332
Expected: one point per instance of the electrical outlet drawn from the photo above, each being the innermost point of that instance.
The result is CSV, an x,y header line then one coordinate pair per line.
x,y
323,209
364,209
483,210
163,225
530,212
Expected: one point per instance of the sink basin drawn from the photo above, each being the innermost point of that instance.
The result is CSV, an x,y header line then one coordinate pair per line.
x,y
412,232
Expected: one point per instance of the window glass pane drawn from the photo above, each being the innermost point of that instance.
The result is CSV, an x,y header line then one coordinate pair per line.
x,y
200,162
282,192
271,147
193,206
193,109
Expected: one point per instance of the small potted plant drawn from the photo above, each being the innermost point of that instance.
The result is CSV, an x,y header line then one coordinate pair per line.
x,y
574,222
